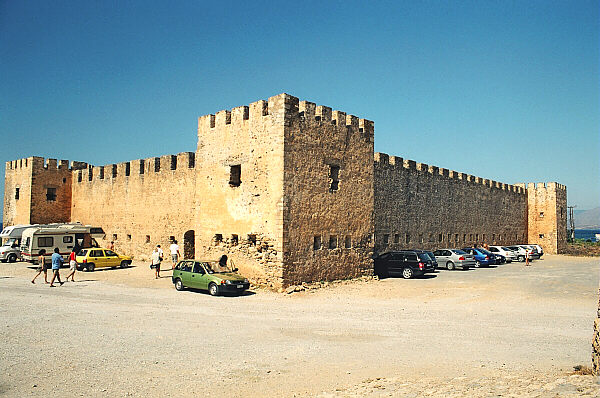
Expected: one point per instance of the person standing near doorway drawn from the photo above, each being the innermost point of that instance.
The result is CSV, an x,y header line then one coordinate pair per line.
x,y
57,261
156,259
175,254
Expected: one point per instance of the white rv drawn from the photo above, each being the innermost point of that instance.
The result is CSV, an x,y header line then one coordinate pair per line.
x,y
11,236
65,237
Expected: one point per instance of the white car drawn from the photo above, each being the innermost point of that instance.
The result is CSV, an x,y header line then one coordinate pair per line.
x,y
539,249
521,252
504,251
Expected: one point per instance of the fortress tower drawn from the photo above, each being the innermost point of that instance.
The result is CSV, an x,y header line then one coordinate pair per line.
x,y
547,215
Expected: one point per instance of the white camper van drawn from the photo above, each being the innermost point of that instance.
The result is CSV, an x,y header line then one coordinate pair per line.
x,y
11,236
63,236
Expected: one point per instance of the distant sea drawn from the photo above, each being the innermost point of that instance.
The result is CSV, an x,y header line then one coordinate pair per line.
x,y
587,234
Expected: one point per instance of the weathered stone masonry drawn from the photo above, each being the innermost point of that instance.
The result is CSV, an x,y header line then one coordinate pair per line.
x,y
291,191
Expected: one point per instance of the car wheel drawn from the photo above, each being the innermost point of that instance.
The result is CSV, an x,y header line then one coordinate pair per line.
x,y
178,285
407,273
450,265
12,258
213,290
124,264
477,264
91,267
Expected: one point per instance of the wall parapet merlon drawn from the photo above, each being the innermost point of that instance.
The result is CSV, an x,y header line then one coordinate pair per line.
x,y
385,161
39,163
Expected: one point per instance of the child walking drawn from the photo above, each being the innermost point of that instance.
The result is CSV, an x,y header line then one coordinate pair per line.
x,y
41,267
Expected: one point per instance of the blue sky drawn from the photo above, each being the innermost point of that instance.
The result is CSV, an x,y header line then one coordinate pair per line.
x,y
503,90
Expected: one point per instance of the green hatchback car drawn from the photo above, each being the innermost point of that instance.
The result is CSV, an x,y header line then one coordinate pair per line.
x,y
208,275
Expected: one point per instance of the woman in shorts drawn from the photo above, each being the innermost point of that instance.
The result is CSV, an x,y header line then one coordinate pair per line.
x,y
41,267
72,265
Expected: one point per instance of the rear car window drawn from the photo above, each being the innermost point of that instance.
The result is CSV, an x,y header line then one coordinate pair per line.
x,y
82,252
458,251
411,257
424,257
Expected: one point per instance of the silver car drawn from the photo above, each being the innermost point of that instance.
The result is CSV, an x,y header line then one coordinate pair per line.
x,y
504,251
453,258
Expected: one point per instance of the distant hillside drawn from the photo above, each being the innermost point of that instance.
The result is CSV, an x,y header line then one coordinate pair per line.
x,y
587,219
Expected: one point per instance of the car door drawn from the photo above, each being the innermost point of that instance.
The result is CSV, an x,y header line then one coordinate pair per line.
x,y
97,257
196,275
112,258
185,272
396,262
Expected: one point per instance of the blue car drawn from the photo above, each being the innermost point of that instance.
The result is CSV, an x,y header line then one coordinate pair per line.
x,y
481,259
494,258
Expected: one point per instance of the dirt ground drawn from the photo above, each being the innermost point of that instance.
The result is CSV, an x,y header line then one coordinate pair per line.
x,y
509,330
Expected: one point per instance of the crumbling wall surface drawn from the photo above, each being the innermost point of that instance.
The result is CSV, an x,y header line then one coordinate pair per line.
x,y
547,204
328,194
425,207
140,203
17,176
240,188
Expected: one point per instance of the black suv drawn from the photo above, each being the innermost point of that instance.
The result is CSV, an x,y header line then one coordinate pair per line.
x,y
408,263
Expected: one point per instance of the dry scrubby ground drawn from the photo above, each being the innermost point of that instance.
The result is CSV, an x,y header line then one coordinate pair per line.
x,y
505,331
583,249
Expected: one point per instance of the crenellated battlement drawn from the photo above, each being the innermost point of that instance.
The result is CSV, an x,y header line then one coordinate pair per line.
x,y
38,163
385,161
284,108
183,161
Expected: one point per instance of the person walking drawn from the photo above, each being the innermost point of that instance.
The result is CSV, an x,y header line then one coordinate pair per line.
x,y
156,259
72,265
57,261
41,267
527,257
174,248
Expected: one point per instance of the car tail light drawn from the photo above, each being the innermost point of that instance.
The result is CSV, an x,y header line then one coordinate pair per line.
x,y
85,260
421,265
487,258
461,258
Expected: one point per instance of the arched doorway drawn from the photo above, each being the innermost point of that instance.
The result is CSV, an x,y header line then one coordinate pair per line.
x,y
189,244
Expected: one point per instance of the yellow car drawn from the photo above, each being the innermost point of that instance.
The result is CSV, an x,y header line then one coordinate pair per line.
x,y
98,257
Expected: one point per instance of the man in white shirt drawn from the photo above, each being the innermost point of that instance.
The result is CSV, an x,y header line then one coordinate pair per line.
x,y
174,248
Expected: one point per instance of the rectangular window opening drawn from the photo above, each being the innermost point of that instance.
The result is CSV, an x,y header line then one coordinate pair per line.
x,y
218,238
396,238
386,239
541,214
17,193
440,237
235,175
114,237
173,162
541,236
142,167
191,161
127,169
51,194
407,238
333,242
90,173
114,170
147,238
252,239
456,237
334,177
128,236
101,173
79,176
234,240
317,244
156,165
348,242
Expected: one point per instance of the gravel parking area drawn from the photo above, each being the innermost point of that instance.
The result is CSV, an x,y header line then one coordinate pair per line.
x,y
505,330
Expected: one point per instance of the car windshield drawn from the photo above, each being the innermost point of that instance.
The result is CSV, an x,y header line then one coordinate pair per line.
x,y
505,248
216,268
458,251
10,242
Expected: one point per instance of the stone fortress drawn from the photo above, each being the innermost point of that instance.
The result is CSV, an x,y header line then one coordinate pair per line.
x,y
290,191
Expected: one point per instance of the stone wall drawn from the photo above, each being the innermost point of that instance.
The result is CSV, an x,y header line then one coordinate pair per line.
x,y
547,214
328,193
425,207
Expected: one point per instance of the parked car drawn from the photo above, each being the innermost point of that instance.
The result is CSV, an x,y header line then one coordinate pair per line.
x,y
208,275
408,263
98,257
491,256
452,258
534,254
539,249
10,251
481,259
508,254
520,252
433,259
